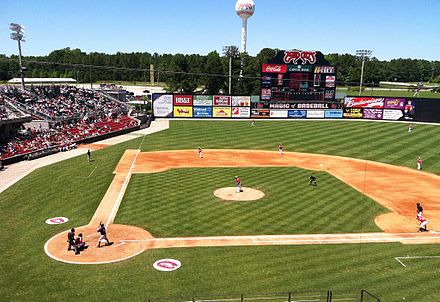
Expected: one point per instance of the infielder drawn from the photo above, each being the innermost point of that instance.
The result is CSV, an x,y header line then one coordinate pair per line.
x,y
280,149
422,223
410,128
419,163
200,152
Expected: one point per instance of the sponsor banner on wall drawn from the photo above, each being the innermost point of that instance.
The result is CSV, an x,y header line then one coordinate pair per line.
x,y
255,98
266,94
222,100
241,101
330,81
202,100
163,105
363,102
205,111
305,106
260,113
297,113
409,110
315,114
221,112
329,94
183,111
299,68
394,103
373,114
278,113
274,68
183,100
241,112
352,112
324,69
333,113
392,114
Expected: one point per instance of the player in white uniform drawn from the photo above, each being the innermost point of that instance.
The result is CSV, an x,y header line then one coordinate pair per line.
x,y
280,149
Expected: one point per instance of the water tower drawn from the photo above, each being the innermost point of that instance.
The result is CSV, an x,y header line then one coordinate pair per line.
x,y
244,9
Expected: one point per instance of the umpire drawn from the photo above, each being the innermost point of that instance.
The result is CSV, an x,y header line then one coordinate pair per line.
x,y
71,241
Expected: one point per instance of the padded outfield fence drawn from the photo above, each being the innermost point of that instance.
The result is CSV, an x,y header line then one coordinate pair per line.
x,y
312,296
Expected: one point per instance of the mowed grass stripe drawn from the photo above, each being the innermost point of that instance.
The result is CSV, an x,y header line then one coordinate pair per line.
x,y
180,202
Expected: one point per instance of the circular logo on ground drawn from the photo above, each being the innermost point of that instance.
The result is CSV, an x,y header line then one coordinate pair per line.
x,y
57,220
167,265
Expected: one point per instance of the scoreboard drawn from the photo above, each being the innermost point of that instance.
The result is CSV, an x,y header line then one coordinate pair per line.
x,y
298,76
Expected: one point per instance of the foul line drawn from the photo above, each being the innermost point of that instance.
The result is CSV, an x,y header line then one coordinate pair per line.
x,y
414,257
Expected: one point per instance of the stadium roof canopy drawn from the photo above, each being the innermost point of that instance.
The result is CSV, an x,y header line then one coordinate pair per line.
x,y
42,80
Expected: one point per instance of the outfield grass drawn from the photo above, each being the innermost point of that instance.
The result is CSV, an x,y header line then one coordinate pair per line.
x,y
63,189
290,206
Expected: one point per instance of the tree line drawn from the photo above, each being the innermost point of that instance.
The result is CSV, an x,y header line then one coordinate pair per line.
x,y
186,73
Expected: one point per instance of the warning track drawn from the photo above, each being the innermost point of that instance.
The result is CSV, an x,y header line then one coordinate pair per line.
x,y
376,180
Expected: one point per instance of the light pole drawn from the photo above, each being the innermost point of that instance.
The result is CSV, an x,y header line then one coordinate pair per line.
x,y
18,35
230,51
362,54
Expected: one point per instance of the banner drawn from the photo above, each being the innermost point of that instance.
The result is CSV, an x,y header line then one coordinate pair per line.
x,y
221,111
163,105
202,100
352,113
315,113
373,114
183,111
241,101
202,111
363,102
330,81
409,110
183,100
333,113
274,68
266,94
299,68
390,114
260,113
324,69
394,103
222,100
278,113
297,114
241,112
255,98
313,105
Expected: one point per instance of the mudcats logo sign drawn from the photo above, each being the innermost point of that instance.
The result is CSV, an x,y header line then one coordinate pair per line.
x,y
57,220
167,265
295,55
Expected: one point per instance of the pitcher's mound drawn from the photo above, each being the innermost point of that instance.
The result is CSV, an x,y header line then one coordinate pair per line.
x,y
229,193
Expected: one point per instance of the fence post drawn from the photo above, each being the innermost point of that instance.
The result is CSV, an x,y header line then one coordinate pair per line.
x,y
242,298
290,297
329,296
362,295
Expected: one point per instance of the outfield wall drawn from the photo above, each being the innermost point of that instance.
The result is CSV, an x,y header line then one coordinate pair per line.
x,y
245,107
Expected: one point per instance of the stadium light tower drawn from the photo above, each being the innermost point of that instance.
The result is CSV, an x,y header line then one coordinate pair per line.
x,y
362,54
230,52
18,35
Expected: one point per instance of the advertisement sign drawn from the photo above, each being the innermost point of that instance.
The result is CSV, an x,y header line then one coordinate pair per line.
x,y
202,100
167,265
205,111
352,113
183,100
163,105
392,114
221,111
333,113
299,68
278,113
409,110
222,100
330,81
255,98
266,94
297,114
364,102
260,113
301,105
394,103
315,113
329,94
274,68
241,112
373,114
241,101
183,111
324,69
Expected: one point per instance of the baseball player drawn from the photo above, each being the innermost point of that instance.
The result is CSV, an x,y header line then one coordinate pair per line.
x,y
200,152
89,155
419,163
419,209
280,149
410,128
312,181
238,184
422,223
253,122
103,235
71,241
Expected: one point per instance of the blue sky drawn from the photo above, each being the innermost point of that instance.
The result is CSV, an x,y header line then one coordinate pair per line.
x,y
391,28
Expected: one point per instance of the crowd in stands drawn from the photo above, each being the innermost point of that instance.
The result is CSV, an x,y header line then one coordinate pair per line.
x,y
97,116
3,112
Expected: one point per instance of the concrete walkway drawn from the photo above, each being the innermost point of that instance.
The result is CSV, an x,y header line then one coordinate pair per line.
x,y
15,172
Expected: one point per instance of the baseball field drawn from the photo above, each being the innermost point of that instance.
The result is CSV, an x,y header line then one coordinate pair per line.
x,y
355,230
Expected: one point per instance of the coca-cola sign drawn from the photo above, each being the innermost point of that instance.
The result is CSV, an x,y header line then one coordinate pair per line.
x,y
295,55
274,68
